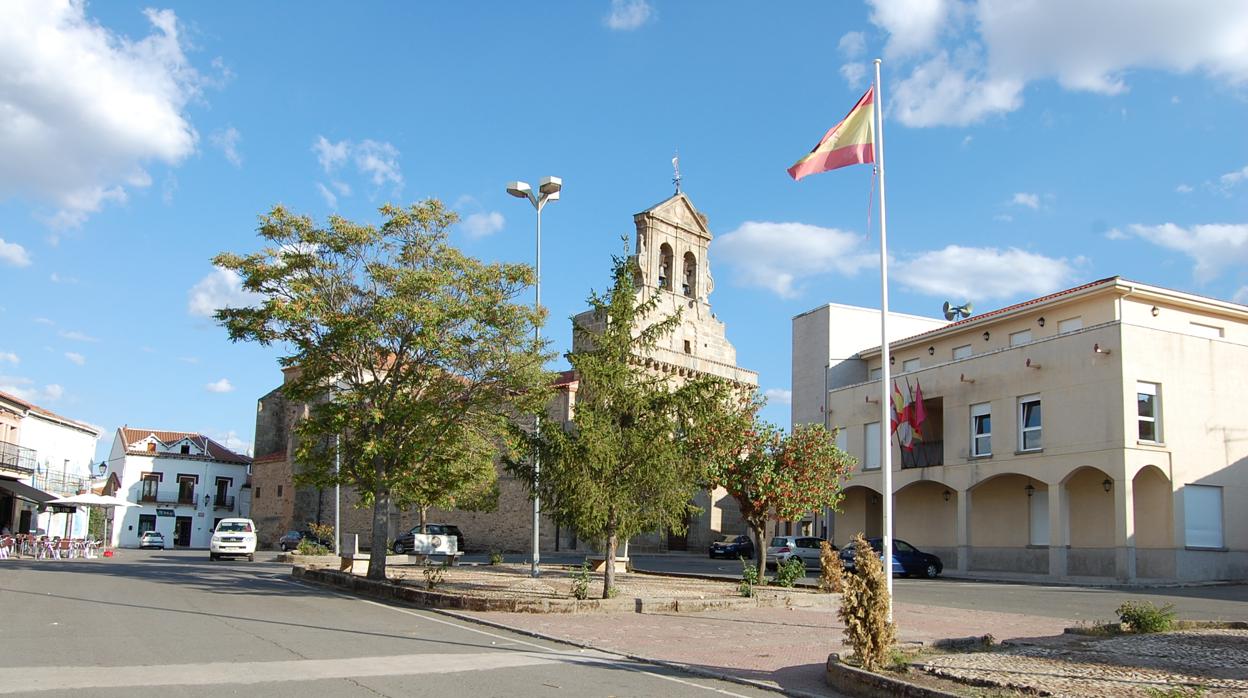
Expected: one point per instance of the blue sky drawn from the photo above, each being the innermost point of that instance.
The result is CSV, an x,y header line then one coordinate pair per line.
x,y
1030,147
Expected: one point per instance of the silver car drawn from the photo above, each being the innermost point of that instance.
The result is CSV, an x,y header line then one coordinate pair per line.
x,y
806,548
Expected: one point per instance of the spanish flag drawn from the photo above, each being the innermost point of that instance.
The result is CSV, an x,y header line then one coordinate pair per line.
x,y
850,142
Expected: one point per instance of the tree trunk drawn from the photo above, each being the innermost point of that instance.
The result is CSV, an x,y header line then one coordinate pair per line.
x,y
609,571
760,549
381,518
424,515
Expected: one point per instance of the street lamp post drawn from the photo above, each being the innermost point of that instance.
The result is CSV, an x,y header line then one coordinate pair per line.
x,y
547,191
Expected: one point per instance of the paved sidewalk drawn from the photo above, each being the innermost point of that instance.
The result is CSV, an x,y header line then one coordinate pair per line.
x,y
784,648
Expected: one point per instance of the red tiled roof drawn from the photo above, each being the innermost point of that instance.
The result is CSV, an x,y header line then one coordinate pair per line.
x,y
1002,311
48,413
565,378
16,399
270,457
214,450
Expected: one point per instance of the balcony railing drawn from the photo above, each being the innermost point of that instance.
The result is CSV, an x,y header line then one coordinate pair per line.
x,y
924,454
223,502
16,457
167,495
61,483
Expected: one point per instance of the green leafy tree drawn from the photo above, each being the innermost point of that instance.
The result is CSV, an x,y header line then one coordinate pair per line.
x,y
771,475
621,466
410,354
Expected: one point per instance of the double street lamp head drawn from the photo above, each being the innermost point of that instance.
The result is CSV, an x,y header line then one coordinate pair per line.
x,y
548,190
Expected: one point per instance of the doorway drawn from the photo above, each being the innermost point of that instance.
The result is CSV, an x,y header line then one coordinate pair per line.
x,y
182,532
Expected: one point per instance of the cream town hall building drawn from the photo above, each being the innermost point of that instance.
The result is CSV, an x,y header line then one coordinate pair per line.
x,y
1096,432
672,248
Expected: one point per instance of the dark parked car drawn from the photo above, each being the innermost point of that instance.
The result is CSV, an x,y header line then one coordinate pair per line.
x,y
404,542
732,547
291,540
907,559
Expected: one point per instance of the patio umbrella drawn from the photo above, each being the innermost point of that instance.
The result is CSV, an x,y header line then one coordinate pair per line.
x,y
91,499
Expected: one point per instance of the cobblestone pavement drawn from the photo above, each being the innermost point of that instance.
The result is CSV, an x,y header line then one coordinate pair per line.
x,y
1209,662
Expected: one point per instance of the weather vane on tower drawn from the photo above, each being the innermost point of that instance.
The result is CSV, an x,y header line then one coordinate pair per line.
x,y
676,168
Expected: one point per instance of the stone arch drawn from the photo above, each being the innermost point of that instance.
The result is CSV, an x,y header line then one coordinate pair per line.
x,y
689,282
1090,522
924,518
666,260
862,511
1152,499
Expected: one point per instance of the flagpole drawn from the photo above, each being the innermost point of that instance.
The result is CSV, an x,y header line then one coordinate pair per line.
x,y
886,451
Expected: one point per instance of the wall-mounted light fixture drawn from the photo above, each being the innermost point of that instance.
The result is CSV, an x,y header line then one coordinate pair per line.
x,y
869,400
1032,364
1097,348
875,499
892,360
947,495
103,468
931,351
207,499
1156,311
1030,489
1107,485
986,335
962,377
1040,322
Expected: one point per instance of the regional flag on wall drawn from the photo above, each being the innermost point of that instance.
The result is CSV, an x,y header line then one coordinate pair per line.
x,y
849,142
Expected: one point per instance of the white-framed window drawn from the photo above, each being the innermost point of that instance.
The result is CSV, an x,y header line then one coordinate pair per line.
x,y
1202,516
871,446
842,438
909,365
962,352
1148,410
875,374
1210,331
981,429
1017,338
1069,325
1029,423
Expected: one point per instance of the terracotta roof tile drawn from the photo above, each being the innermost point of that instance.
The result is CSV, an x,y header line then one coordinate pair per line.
x,y
214,450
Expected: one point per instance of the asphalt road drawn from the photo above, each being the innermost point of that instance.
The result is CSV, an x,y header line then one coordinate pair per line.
x,y
1092,604
164,623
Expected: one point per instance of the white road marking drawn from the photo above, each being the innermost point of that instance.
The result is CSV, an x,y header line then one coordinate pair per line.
x,y
54,678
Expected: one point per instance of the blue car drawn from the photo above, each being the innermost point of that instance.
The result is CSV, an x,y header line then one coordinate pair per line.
x,y
732,547
908,560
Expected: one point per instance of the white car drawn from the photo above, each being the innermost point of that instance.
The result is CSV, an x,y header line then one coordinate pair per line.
x,y
152,539
233,538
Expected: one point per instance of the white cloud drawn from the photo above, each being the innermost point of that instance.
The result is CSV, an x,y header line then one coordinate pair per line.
x,y
627,15
76,358
222,288
43,321
777,256
1230,179
376,160
852,44
330,155
1183,189
331,199
189,359
25,389
13,254
1003,218
982,273
1001,45
855,74
58,279
479,225
85,110
913,26
227,142
1031,201
10,357
1241,296
231,440
966,141
778,396
77,336
1212,247
221,386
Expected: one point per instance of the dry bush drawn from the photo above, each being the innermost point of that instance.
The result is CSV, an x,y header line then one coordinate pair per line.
x,y
864,608
831,575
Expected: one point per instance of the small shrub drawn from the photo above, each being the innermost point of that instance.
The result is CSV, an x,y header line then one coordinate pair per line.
x,y
323,532
831,574
1144,617
307,546
749,578
1195,691
496,558
580,582
789,572
864,608
434,576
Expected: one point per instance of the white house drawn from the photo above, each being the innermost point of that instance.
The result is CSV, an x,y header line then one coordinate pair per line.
x,y
43,456
182,482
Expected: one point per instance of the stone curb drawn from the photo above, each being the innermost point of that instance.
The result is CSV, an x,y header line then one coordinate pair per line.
x,y
859,682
